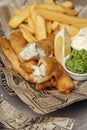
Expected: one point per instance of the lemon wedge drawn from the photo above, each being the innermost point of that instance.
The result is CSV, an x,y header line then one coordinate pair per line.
x,y
62,45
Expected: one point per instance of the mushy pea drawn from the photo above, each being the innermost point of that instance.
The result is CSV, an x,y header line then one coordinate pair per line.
x,y
77,61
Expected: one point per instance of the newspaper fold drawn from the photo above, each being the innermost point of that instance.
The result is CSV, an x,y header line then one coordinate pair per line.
x,y
40,102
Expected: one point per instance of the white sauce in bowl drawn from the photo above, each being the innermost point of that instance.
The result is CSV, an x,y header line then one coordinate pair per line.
x,y
80,40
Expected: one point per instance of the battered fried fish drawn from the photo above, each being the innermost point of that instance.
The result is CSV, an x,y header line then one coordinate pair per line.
x,y
40,68
9,53
17,43
47,68
27,66
36,50
62,82
47,84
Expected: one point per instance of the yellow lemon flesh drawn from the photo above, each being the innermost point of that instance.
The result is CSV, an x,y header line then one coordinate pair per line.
x,y
62,45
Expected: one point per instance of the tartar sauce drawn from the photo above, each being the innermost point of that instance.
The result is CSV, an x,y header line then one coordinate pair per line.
x,y
80,40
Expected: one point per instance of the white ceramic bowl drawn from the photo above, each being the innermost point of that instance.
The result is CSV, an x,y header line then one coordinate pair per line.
x,y
75,76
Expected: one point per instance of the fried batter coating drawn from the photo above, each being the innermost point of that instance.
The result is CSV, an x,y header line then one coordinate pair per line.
x,y
47,84
46,68
38,49
17,43
64,83
45,71
27,66
9,53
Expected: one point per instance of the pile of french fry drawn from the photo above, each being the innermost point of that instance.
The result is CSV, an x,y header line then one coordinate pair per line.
x,y
38,21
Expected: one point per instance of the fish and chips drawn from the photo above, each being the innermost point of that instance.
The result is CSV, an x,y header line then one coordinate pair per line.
x,y
44,71
30,50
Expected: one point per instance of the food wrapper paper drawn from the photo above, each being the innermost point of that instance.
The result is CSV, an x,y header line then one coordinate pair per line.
x,y
13,119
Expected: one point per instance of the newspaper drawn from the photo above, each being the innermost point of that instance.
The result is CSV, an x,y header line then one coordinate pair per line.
x,y
40,102
11,118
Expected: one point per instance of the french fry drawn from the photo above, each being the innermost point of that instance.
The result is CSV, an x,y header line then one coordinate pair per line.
x,y
26,27
33,13
30,23
20,17
59,17
58,8
50,7
38,22
71,11
68,4
40,28
27,35
48,27
54,25
80,25
48,2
